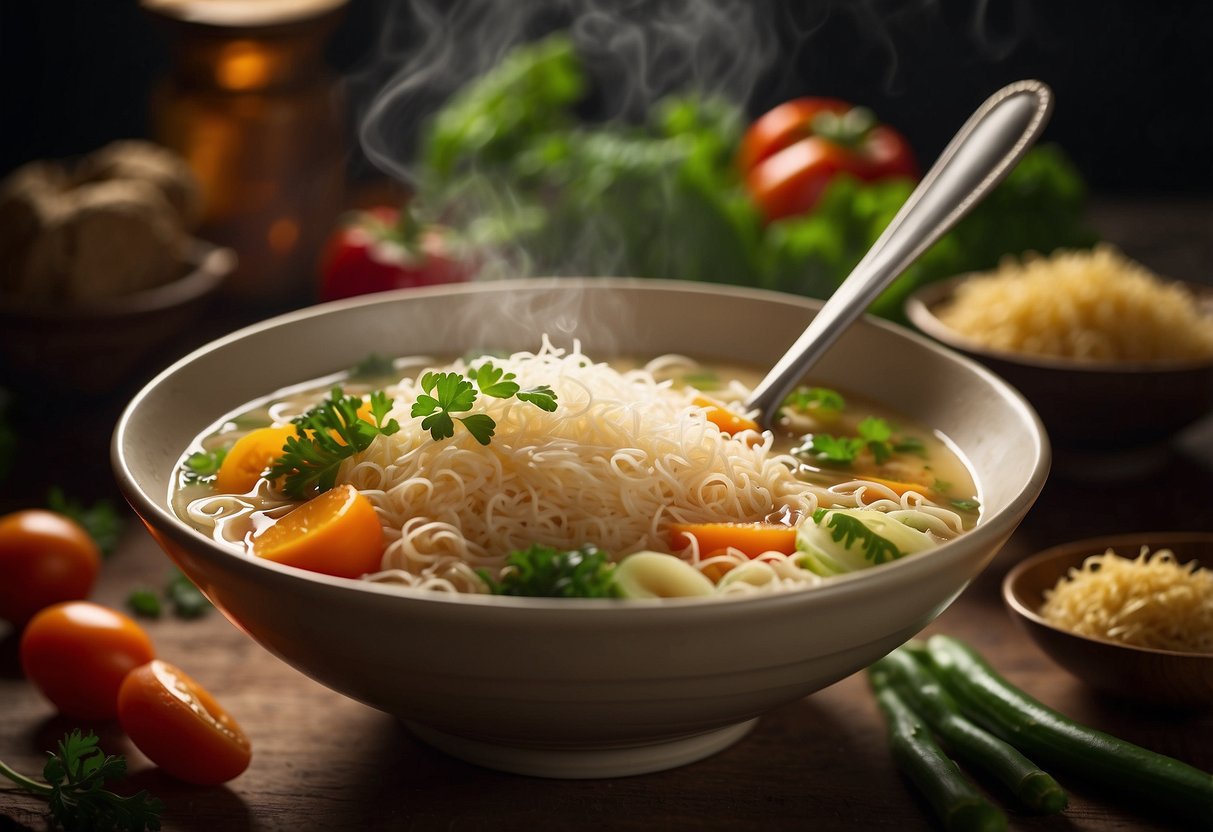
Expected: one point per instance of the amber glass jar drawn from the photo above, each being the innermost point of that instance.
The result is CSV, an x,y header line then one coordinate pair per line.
x,y
251,105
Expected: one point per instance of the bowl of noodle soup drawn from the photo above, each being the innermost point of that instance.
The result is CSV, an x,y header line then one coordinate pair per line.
x,y
594,686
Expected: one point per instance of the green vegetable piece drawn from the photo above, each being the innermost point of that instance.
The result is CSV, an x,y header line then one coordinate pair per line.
x,y
832,450
103,524
372,368
203,466
545,572
875,433
923,692
815,400
702,380
75,778
187,600
543,397
966,505
313,456
494,381
1117,767
837,541
144,603
955,801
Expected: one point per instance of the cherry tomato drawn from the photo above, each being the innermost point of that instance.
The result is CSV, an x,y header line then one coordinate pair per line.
x,y
380,249
789,155
180,727
77,653
44,558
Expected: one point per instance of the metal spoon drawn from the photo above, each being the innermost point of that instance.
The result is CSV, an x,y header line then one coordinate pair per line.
x,y
979,156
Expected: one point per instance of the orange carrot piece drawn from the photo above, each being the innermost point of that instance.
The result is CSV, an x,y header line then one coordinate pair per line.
x,y
898,487
337,533
249,457
725,419
752,539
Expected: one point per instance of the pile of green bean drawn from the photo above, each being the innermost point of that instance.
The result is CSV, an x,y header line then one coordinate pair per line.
x,y
941,694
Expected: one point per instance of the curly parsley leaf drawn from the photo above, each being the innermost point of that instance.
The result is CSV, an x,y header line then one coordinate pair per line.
x,y
75,778
875,433
450,393
326,435
494,381
546,572
846,530
832,450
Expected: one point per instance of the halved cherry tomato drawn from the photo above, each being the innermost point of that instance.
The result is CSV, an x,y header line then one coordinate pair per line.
x,y
336,533
77,653
243,465
789,155
45,558
180,727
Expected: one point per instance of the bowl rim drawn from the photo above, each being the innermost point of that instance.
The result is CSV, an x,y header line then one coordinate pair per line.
x,y
1088,547
994,528
207,267
919,309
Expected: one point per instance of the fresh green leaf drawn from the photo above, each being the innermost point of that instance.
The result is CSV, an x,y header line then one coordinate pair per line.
x,y
187,600
966,505
203,466
546,572
815,400
494,381
481,426
847,530
832,450
372,368
543,397
910,445
144,603
102,522
876,433
75,776
326,435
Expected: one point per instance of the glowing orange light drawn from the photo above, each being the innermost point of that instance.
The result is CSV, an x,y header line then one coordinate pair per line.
x,y
242,65
283,234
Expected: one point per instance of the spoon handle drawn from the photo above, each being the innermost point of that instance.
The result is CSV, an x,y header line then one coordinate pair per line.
x,y
979,156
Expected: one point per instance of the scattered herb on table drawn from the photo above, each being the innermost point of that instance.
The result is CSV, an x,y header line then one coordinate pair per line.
x,y
545,572
102,522
186,599
144,603
76,776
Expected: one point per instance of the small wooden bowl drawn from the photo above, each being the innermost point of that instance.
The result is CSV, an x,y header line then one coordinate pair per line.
x,y
1157,676
1087,406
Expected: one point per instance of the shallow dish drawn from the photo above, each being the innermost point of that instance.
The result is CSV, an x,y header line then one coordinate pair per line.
x,y
1157,676
579,688
96,347
1088,406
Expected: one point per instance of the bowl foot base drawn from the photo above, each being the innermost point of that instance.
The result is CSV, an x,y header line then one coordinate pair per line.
x,y
584,763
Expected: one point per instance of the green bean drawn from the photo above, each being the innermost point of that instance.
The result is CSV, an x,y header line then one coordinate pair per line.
x,y
971,744
953,798
1117,766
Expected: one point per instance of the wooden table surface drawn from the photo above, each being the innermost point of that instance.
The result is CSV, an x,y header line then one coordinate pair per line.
x,y
322,761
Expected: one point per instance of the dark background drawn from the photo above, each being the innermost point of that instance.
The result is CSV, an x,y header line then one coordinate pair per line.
x,y
1133,80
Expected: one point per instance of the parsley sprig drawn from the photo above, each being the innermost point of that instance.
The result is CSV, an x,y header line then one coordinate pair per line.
x,y
451,393
75,779
875,436
815,400
203,466
846,529
546,572
326,435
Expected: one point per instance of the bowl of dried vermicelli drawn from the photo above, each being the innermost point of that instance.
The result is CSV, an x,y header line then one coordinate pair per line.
x,y
1130,615
1111,356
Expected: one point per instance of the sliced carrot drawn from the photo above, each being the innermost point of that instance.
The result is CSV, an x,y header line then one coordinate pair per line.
x,y
725,419
336,533
249,457
898,487
752,539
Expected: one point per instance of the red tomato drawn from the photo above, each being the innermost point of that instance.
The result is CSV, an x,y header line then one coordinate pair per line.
x,y
44,558
790,154
77,653
180,727
374,251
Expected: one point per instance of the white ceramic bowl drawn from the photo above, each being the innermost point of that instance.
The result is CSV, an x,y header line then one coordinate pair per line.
x,y
579,688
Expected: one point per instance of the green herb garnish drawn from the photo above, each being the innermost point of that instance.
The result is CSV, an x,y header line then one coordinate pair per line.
x,y
144,603
545,572
875,436
702,380
329,433
372,367
102,522
847,529
450,393
815,400
966,505
75,779
203,466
